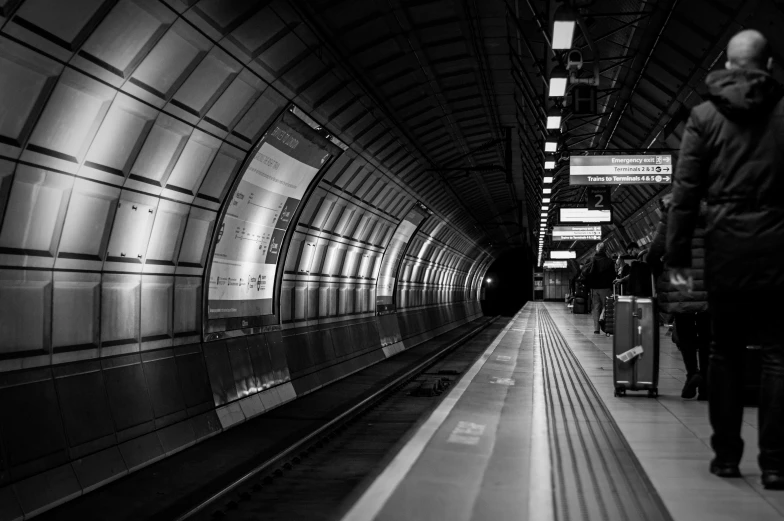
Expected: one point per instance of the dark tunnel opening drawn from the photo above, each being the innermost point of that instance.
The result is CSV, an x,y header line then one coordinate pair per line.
x,y
508,283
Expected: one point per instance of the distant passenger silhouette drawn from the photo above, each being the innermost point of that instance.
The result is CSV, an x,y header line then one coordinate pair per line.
x,y
732,155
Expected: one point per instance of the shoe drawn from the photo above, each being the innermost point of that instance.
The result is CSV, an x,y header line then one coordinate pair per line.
x,y
724,470
689,391
773,480
597,332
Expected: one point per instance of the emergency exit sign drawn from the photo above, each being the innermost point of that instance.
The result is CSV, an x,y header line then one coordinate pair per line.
x,y
620,170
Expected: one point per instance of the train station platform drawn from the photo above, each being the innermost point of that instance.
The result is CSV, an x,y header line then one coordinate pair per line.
x,y
533,431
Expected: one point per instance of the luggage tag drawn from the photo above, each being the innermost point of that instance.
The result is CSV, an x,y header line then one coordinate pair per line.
x,y
630,354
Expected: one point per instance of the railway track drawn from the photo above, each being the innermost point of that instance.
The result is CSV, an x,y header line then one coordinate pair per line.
x,y
316,476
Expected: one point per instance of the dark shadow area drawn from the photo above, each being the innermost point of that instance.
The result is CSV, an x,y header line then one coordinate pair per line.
x,y
508,283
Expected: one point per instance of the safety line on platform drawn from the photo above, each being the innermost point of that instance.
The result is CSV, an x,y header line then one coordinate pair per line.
x,y
541,495
378,493
596,474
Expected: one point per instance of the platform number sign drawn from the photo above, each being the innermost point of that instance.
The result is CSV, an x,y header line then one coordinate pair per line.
x,y
599,198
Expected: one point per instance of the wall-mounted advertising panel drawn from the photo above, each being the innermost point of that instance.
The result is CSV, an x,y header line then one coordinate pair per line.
x,y
563,254
260,210
584,215
623,170
554,264
390,264
577,233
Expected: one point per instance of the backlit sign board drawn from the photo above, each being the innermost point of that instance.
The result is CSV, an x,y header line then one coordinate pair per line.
x,y
555,264
258,214
387,277
584,215
563,254
620,170
577,233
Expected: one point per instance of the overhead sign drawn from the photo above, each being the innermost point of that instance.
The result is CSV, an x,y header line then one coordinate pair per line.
x,y
554,264
577,233
584,215
599,198
563,254
623,170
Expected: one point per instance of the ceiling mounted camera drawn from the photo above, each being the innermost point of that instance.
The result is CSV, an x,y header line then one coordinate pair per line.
x,y
574,60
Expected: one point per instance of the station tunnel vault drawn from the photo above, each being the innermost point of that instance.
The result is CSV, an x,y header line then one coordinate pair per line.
x,y
127,129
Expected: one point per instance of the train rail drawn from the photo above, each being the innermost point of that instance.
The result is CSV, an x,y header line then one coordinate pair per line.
x,y
314,476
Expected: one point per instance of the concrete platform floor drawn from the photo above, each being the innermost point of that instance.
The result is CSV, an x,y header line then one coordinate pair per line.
x,y
484,453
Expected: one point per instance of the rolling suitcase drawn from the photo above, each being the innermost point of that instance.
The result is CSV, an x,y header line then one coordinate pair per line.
x,y
636,345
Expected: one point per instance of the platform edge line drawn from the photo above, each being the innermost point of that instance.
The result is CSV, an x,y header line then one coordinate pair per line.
x,y
378,493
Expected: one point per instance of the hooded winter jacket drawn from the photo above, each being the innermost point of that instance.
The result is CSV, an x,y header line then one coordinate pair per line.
x,y
670,298
732,155
602,272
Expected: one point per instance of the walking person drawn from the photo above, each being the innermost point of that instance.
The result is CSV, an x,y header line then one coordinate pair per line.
x,y
689,309
600,278
732,155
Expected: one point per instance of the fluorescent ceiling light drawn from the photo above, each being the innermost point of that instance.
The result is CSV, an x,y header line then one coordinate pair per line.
x,y
558,87
547,190
548,180
545,208
553,122
546,200
549,165
550,146
563,34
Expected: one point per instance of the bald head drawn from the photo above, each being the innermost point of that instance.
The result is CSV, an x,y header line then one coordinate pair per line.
x,y
749,49
600,247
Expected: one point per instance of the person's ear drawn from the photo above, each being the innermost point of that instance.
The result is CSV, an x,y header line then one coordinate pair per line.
x,y
770,64
727,65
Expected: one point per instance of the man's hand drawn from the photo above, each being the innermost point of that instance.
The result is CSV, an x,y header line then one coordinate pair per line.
x,y
681,278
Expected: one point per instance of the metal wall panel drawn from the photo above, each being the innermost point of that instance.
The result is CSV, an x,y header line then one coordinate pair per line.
x,y
127,156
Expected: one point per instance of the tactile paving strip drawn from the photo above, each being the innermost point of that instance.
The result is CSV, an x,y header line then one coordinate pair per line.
x,y
596,476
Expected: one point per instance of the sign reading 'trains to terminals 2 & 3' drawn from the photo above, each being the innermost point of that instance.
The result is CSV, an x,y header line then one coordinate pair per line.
x,y
620,170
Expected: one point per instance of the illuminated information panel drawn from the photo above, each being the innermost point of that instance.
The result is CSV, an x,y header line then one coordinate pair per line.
x,y
554,264
577,233
387,277
563,254
584,215
242,274
620,170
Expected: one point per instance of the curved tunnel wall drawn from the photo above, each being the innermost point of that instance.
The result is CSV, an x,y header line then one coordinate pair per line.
x,y
123,125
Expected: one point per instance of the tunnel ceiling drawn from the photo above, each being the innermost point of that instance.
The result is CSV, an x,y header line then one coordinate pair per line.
x,y
452,74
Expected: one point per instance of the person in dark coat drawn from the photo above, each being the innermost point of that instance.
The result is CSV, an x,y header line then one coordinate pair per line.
x,y
732,155
600,278
688,309
621,281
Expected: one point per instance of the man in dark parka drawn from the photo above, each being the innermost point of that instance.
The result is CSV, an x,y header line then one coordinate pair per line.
x,y
732,155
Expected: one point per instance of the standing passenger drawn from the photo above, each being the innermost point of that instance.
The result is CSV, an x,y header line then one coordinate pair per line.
x,y
732,154
600,279
689,310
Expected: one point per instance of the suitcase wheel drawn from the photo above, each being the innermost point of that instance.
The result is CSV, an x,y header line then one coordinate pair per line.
x,y
620,391
653,393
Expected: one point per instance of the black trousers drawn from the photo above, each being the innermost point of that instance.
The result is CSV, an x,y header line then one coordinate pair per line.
x,y
740,320
694,336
